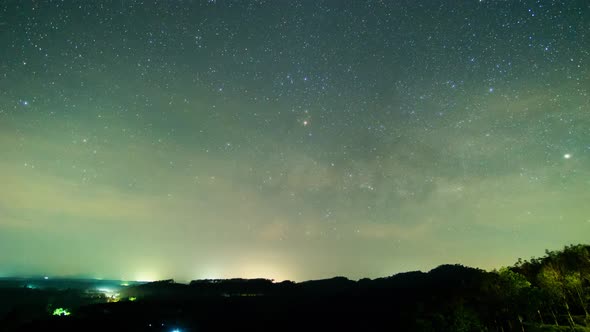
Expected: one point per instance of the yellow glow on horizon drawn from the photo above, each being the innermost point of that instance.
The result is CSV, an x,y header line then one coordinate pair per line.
x,y
260,270
147,276
209,273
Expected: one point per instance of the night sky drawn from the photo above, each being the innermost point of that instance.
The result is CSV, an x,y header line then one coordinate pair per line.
x,y
290,139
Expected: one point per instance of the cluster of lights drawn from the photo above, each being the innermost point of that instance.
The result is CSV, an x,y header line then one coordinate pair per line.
x,y
61,312
110,294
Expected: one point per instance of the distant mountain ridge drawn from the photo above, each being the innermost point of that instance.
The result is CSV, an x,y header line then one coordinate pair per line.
x,y
550,293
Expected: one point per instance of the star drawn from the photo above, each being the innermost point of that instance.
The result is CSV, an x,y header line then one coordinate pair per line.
x,y
567,156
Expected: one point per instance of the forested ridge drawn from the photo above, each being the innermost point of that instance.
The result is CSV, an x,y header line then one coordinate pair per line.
x,y
549,293
553,289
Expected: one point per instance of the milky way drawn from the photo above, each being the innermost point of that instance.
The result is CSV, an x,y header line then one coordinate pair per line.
x,y
290,139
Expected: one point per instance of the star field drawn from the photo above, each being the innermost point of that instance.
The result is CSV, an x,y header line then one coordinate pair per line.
x,y
290,139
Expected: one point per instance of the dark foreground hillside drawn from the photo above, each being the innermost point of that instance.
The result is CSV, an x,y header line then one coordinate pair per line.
x,y
551,293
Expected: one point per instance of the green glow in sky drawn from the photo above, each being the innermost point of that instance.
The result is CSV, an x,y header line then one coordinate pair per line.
x,y
290,140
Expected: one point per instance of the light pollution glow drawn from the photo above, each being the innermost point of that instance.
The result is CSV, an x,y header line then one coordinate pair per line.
x,y
289,141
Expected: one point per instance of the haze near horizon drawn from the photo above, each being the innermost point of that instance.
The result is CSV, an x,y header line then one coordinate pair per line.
x,y
290,139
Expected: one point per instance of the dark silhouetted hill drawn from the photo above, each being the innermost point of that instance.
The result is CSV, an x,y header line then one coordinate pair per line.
x,y
550,293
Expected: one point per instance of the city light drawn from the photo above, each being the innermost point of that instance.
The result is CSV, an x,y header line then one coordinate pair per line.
x,y
61,312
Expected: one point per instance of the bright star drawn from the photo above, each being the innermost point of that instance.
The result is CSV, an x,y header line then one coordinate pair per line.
x,y
567,156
